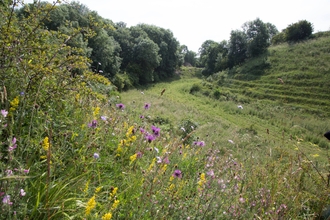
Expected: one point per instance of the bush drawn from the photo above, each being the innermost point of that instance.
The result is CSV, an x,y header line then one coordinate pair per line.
x,y
299,31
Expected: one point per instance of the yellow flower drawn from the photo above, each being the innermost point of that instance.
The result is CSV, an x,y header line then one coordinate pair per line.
x,y
86,186
15,102
115,204
90,205
107,216
45,144
98,189
96,111
202,180
315,155
114,191
133,158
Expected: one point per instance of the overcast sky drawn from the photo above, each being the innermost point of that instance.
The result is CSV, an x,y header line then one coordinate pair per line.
x,y
193,22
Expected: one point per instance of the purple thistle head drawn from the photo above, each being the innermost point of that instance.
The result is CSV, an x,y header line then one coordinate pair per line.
x,y
201,143
155,130
141,116
120,106
177,173
150,137
146,106
142,130
93,124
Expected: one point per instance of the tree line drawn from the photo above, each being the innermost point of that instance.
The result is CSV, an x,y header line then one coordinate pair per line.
x,y
141,54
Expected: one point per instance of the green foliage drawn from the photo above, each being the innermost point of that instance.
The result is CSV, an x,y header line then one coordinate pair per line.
x,y
299,31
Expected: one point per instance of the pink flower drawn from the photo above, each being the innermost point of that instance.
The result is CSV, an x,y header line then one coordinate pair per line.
x,y
6,200
4,113
22,192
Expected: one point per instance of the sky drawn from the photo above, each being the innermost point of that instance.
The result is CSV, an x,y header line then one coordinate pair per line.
x,y
193,22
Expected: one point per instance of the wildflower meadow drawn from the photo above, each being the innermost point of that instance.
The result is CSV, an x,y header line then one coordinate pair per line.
x,y
73,147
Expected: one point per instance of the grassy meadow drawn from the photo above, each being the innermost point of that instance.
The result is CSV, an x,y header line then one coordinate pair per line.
x,y
236,145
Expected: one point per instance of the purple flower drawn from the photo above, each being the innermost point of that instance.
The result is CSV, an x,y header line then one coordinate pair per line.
x,y
120,106
166,160
6,200
155,130
4,113
13,144
142,130
104,118
150,137
146,106
177,173
201,143
93,124
141,116
139,154
21,93
96,156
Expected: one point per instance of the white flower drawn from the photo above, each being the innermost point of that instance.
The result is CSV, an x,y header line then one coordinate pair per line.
x,y
22,192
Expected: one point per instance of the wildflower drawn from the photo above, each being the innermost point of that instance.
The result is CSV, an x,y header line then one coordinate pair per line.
x,y
6,200
98,189
4,113
146,106
14,104
114,191
96,111
211,173
45,144
139,154
133,158
141,116
22,192
107,216
159,159
93,124
183,129
177,173
22,93
104,118
150,138
155,130
202,180
166,160
201,143
96,156
90,205
156,149
241,200
142,130
26,171
9,172
13,144
115,204
120,106
240,106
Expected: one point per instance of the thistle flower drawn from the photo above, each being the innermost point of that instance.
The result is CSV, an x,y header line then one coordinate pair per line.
x,y
93,124
120,106
150,137
177,173
146,106
155,130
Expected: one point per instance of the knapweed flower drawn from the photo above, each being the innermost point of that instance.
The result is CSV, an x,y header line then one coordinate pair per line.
x,y
4,113
96,156
201,143
177,173
22,192
150,137
6,200
146,106
93,124
142,130
155,130
120,106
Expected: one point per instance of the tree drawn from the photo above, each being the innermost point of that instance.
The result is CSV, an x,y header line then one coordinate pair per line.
x,y
299,31
237,50
257,37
